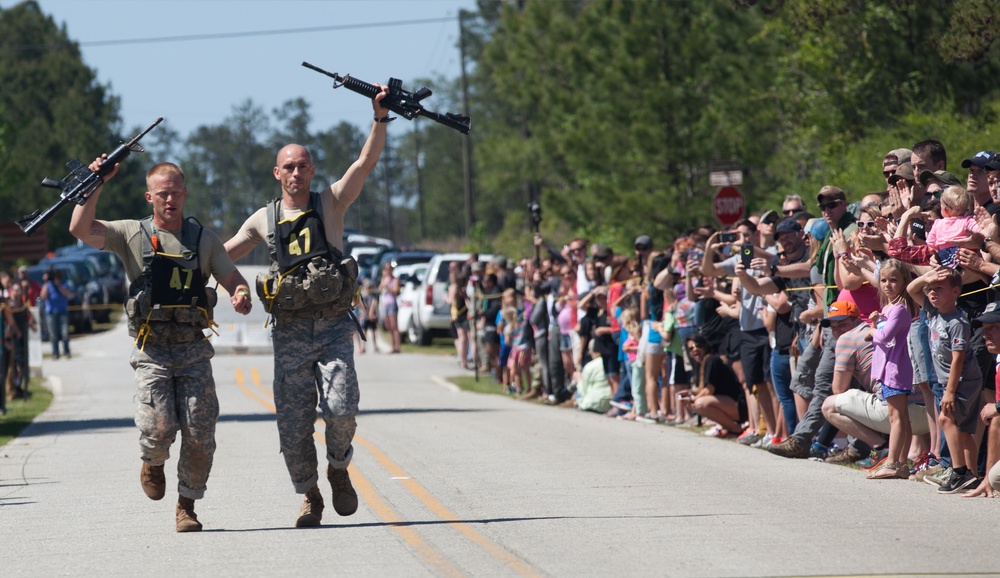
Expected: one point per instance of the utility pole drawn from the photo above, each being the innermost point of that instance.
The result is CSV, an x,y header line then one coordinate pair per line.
x,y
421,223
386,167
467,142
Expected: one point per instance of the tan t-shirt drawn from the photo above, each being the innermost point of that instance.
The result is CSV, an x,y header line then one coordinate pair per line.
x,y
123,239
255,228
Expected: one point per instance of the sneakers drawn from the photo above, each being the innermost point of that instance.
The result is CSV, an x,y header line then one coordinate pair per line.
x,y
847,455
956,483
187,521
154,484
749,437
939,478
819,451
345,499
622,405
874,460
614,412
792,447
311,512
928,470
714,431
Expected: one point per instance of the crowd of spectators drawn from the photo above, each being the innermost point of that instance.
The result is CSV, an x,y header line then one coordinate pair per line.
x,y
17,293
859,329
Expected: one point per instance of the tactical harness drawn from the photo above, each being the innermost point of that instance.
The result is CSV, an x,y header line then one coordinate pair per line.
x,y
308,277
169,302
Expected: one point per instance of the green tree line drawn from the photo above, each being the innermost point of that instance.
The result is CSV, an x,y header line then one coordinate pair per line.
x,y
610,113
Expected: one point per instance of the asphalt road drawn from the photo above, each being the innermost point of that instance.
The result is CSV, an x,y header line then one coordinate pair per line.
x,y
455,484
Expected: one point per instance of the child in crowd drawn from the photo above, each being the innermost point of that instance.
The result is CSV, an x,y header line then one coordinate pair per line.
x,y
957,205
937,291
891,364
629,321
506,321
519,362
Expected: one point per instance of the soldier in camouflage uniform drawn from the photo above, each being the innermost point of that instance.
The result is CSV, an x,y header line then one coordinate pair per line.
x,y
168,260
308,291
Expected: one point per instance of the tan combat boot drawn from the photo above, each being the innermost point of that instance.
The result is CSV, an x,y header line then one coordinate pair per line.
x,y
187,521
153,481
345,499
311,512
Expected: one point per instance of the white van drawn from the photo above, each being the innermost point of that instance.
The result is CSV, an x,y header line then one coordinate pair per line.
x,y
431,315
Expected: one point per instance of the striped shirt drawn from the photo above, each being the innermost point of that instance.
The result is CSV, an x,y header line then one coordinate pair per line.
x,y
854,355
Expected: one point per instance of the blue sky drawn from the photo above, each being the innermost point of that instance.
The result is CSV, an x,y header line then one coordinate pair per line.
x,y
197,82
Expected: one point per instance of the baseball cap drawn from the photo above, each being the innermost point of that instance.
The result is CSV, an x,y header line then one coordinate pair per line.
x,y
980,159
787,225
645,241
830,192
903,171
990,315
944,176
501,261
840,310
602,252
770,217
819,229
902,155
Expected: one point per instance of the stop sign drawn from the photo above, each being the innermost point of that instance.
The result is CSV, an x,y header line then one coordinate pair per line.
x,y
727,205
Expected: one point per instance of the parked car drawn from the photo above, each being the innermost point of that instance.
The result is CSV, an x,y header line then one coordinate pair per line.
x,y
80,315
399,258
110,270
410,278
93,293
432,316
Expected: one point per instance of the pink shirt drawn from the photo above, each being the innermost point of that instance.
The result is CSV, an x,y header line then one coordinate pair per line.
x,y
946,229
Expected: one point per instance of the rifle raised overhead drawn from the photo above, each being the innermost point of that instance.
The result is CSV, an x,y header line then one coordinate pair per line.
x,y
81,182
404,103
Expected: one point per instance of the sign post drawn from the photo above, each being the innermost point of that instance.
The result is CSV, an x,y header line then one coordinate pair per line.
x,y
728,205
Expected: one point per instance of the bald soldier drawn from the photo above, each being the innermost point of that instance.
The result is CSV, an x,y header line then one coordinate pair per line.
x,y
308,290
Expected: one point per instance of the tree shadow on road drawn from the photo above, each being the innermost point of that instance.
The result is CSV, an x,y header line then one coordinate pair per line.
x,y
405,524
40,428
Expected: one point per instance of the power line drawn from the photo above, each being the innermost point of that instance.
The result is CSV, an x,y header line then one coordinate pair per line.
x,y
225,35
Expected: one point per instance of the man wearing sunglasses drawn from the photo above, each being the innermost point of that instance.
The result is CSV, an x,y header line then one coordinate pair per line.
x,y
833,206
892,160
976,183
936,181
911,192
792,204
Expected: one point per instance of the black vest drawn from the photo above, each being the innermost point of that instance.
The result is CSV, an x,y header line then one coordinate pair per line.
x,y
300,239
172,279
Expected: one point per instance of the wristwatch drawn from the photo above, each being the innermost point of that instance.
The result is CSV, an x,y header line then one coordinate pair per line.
x,y
774,270
997,405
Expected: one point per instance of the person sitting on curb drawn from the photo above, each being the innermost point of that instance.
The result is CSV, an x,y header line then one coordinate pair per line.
x,y
717,392
593,392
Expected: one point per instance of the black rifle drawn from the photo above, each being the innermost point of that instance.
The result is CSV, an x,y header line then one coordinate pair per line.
x,y
399,101
81,182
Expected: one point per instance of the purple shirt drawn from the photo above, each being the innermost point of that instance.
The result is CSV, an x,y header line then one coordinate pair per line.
x,y
891,359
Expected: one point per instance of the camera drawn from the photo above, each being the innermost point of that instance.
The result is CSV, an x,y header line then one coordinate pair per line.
x,y
727,237
536,212
746,254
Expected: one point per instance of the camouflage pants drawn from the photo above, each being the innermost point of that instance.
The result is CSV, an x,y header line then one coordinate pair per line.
x,y
176,392
314,365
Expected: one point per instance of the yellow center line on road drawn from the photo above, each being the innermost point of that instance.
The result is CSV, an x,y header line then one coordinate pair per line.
x,y
378,505
441,511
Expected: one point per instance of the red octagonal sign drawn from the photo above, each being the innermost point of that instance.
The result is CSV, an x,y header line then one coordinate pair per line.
x,y
728,205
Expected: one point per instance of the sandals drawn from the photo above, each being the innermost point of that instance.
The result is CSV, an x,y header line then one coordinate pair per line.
x,y
886,471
